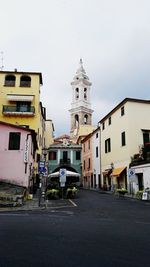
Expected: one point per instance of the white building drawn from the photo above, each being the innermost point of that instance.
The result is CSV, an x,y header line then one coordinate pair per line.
x,y
96,157
124,131
81,112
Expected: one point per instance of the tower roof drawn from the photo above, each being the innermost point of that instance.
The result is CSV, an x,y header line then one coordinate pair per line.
x,y
81,75
81,69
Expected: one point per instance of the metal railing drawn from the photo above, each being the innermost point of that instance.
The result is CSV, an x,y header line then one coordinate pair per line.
x,y
64,162
9,109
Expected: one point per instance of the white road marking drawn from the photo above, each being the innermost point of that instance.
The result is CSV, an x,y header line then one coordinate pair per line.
x,y
72,202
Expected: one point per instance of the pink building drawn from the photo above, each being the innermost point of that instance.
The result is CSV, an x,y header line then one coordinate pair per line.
x,y
87,162
17,151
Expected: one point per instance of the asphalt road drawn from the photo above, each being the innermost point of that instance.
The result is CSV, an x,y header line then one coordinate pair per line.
x,y
102,231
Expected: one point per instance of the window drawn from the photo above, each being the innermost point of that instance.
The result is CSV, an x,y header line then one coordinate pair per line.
x,y
96,135
109,120
76,120
122,111
78,155
103,125
123,139
107,145
146,137
97,152
14,141
85,93
52,155
65,156
77,93
84,164
89,144
85,119
23,106
10,80
89,163
25,81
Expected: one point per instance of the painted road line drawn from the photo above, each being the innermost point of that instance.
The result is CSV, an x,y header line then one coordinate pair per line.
x,y
72,202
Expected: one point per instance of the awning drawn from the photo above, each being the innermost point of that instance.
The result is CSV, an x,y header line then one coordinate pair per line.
x,y
22,98
68,173
117,171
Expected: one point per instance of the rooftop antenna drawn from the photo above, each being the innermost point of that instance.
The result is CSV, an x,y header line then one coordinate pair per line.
x,y
2,60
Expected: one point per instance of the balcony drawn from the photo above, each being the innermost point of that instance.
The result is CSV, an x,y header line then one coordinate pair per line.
x,y
143,157
25,84
19,111
65,162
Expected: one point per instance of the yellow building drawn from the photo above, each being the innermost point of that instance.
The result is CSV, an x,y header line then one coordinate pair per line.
x,y
49,133
20,103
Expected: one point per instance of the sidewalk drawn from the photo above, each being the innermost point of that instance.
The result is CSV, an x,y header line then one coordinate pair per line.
x,y
29,205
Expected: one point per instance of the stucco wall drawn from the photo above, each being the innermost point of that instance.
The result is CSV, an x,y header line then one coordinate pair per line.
x,y
12,166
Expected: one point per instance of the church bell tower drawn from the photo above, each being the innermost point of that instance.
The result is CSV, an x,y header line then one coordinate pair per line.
x,y
80,112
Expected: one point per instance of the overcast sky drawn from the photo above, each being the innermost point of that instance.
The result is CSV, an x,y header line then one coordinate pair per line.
x,y
50,36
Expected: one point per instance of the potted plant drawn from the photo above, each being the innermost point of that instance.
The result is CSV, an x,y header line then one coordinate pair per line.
x,y
121,191
71,191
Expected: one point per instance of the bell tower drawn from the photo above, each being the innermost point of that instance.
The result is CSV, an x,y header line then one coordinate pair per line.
x,y
80,112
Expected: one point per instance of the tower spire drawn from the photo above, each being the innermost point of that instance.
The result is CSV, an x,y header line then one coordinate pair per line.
x,y
81,112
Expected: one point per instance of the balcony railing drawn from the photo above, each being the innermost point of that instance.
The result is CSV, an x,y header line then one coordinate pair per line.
x,y
25,83
143,157
64,162
10,83
19,110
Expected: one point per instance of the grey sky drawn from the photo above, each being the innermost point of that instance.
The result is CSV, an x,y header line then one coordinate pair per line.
x,y
50,36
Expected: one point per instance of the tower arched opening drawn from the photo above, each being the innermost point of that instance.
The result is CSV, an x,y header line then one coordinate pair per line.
x,y
85,119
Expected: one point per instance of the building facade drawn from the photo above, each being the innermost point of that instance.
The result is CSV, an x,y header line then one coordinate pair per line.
x,y
65,155
18,147
123,134
91,176
20,104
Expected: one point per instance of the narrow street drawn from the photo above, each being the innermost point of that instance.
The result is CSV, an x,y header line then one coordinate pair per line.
x,y
102,230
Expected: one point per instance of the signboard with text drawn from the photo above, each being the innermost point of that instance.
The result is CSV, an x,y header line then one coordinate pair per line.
x,y
41,167
62,176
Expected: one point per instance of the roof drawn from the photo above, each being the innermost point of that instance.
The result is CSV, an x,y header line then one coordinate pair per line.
x,y
24,73
122,103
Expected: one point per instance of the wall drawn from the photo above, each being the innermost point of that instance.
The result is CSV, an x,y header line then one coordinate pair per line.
x,y
12,166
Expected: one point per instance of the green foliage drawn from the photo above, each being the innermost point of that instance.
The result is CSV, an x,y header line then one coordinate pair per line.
x,y
121,191
52,193
139,194
71,191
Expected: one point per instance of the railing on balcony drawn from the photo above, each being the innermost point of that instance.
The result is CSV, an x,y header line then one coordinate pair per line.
x,y
10,83
25,83
64,162
143,157
14,109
